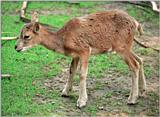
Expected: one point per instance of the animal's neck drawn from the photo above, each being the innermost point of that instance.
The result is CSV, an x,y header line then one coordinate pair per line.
x,y
51,41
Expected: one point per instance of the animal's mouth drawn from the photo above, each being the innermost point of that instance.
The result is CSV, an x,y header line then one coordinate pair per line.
x,y
21,49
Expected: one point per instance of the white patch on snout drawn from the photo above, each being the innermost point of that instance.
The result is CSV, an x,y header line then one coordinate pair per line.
x,y
26,48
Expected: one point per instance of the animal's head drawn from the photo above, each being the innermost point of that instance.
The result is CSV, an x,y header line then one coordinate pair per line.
x,y
29,36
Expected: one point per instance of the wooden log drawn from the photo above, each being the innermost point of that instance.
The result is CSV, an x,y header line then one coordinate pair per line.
x,y
146,4
144,45
9,38
22,13
6,76
140,3
23,8
6,32
26,20
155,6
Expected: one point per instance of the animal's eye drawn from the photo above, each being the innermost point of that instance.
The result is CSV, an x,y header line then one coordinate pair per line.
x,y
27,27
27,37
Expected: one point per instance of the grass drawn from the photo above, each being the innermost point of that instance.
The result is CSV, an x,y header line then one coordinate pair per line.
x,y
23,74
28,69
138,13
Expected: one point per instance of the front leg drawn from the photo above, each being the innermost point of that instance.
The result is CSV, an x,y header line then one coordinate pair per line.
x,y
73,68
82,100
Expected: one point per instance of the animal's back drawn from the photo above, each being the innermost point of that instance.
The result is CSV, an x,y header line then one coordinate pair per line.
x,y
99,31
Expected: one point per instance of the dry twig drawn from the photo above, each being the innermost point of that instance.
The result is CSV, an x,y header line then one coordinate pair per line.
x,y
8,76
9,38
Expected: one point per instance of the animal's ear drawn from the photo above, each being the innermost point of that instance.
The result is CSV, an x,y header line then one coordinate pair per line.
x,y
34,17
34,21
36,27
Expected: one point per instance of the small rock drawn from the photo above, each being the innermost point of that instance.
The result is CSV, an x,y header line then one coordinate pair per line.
x,y
34,82
53,102
46,84
38,94
101,108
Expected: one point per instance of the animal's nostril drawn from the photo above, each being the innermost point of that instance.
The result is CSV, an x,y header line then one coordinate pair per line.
x,y
18,49
15,47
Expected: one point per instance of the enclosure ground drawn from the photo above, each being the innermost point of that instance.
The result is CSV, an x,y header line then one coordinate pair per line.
x,y
39,75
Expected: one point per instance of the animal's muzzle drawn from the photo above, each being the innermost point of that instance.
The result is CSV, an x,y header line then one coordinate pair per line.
x,y
18,49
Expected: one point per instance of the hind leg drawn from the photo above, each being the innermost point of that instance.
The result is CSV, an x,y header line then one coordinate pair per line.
x,y
142,79
134,89
134,67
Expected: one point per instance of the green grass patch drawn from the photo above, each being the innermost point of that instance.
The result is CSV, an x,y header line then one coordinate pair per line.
x,y
10,7
104,63
108,95
153,103
91,109
148,71
145,51
11,24
99,85
25,68
49,5
55,20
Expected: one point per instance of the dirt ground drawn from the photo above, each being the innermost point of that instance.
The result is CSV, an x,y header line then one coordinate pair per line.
x,y
110,97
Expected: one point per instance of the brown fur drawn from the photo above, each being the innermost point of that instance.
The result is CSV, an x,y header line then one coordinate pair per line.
x,y
92,34
99,31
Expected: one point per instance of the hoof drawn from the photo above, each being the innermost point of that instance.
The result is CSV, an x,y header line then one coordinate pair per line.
x,y
81,104
131,102
64,94
132,99
143,94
